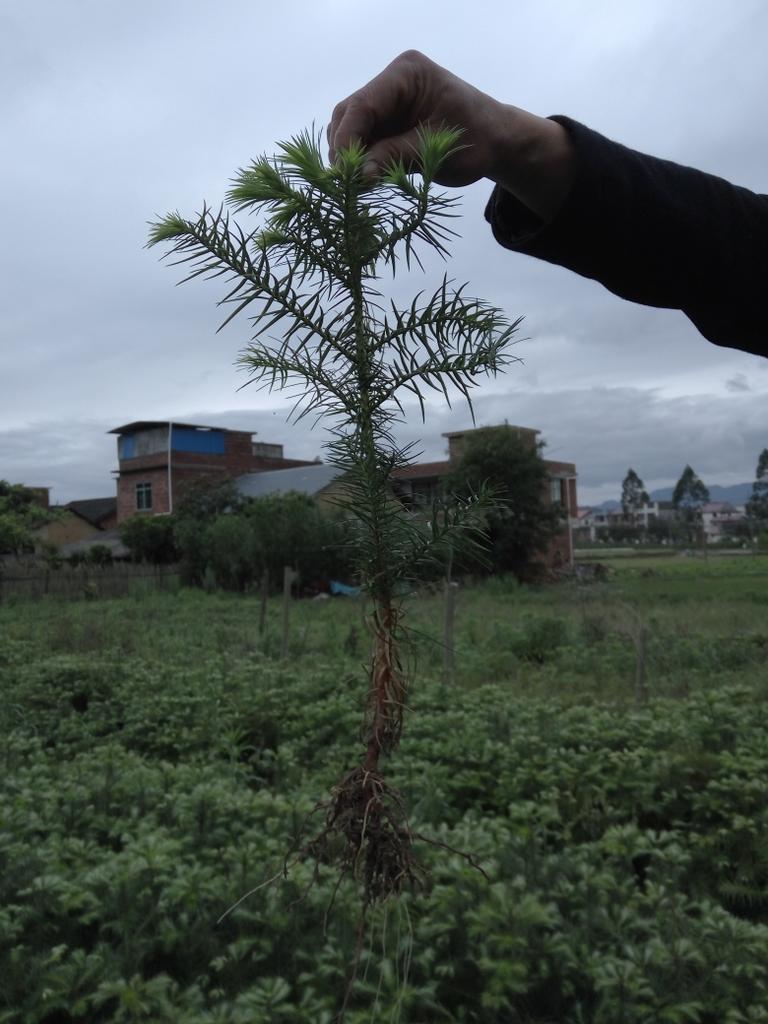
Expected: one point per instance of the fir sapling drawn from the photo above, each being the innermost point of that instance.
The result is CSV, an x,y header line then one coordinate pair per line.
x,y
308,276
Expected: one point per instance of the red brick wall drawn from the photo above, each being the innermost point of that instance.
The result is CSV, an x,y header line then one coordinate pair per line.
x,y
185,476
186,468
40,496
126,493
239,457
109,522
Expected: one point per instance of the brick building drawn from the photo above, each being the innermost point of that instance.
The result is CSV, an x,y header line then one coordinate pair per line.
x,y
158,460
420,483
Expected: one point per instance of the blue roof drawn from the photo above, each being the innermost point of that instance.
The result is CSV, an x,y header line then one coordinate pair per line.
x,y
302,479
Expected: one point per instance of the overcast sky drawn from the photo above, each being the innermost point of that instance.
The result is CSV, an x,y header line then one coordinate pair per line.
x,y
113,113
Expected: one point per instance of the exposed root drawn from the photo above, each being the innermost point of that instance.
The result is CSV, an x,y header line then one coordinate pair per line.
x,y
366,836
369,817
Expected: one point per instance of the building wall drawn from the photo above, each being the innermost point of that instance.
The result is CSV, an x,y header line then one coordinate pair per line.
x,y
456,441
126,492
330,495
143,458
559,554
40,496
109,522
66,528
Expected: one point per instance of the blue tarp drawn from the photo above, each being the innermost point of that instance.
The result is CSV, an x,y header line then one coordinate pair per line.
x,y
344,590
209,442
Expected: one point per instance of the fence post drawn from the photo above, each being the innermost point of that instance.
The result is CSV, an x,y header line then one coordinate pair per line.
x,y
288,577
641,689
449,620
264,594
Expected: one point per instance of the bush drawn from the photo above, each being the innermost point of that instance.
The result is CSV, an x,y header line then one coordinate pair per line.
x,y
524,522
150,539
100,554
542,637
236,547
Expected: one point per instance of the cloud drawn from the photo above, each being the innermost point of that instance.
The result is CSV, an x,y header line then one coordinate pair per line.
x,y
602,430
118,114
738,383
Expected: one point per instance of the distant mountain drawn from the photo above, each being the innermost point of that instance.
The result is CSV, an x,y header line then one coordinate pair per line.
x,y
736,494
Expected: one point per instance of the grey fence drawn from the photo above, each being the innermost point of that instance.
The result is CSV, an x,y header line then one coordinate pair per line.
x,y
34,581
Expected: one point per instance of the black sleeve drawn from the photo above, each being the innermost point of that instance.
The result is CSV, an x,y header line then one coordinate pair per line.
x,y
654,232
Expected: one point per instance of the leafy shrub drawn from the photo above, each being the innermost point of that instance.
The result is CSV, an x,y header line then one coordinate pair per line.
x,y
150,539
542,638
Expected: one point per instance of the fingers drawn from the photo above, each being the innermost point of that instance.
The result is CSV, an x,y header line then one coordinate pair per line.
x,y
353,120
404,147
385,106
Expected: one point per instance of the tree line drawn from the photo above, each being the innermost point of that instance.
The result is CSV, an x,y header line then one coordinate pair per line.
x,y
688,498
220,538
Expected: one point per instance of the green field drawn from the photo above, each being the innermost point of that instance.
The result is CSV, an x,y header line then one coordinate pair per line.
x,y
159,760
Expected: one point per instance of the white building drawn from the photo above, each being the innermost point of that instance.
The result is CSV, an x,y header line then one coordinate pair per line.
x,y
721,519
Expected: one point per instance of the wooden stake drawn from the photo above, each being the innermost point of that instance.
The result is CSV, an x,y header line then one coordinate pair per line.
x,y
641,690
288,577
451,589
264,593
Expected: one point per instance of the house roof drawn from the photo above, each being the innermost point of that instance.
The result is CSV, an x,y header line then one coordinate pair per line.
x,y
93,510
129,428
469,430
309,479
718,506
422,470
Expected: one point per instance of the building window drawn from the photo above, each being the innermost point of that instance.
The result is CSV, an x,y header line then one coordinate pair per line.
x,y
144,497
556,491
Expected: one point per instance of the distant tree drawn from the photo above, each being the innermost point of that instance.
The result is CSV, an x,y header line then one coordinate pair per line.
x,y
233,551
195,511
238,539
294,530
20,514
100,554
524,522
206,498
633,494
689,495
690,491
150,539
757,506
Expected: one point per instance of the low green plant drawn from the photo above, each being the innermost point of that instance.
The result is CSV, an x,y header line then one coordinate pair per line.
x,y
140,794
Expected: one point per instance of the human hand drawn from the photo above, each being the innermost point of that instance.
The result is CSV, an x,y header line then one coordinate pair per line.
x,y
529,156
410,93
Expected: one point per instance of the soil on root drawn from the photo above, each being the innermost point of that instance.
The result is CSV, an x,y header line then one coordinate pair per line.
x,y
369,817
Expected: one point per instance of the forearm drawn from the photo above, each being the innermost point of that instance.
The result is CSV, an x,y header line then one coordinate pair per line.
x,y
533,159
654,232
